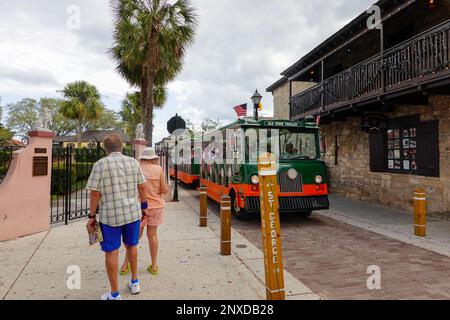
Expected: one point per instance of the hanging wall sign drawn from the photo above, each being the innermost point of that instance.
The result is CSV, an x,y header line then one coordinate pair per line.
x,y
374,123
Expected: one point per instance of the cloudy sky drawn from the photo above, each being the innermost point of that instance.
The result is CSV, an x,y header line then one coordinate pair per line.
x,y
241,45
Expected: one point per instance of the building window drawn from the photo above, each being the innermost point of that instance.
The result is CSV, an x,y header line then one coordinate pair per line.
x,y
409,146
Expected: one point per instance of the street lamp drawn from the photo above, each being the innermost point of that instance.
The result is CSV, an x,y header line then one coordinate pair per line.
x,y
256,99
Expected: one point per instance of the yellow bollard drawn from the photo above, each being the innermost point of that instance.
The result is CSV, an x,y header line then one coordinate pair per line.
x,y
270,227
420,213
225,226
203,207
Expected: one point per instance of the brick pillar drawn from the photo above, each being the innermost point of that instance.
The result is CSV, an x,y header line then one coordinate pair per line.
x,y
139,146
25,191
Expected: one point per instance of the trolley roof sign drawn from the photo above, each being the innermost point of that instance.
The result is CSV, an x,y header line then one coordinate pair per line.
x,y
306,123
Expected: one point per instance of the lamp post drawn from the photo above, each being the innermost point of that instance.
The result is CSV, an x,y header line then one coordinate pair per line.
x,y
256,99
173,125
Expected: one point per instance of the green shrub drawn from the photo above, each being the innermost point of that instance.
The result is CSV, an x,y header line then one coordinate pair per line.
x,y
60,179
83,170
89,155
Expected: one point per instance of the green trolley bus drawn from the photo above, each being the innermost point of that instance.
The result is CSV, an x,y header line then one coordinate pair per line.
x,y
188,172
301,173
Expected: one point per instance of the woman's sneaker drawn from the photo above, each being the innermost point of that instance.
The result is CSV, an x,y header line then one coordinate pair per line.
x,y
134,286
109,296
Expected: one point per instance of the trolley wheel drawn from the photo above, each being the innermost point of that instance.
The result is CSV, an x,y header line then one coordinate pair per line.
x,y
238,212
305,214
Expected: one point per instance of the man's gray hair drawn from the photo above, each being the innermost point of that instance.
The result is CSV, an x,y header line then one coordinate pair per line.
x,y
113,143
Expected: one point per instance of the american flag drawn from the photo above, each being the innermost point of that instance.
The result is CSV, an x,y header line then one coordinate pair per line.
x,y
241,110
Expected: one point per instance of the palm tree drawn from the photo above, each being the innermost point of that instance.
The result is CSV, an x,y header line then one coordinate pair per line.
x,y
150,39
131,111
82,103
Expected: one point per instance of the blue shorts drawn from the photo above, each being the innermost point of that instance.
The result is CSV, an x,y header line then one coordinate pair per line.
x,y
112,236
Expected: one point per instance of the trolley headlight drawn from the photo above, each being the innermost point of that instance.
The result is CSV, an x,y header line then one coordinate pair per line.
x,y
292,174
319,179
255,179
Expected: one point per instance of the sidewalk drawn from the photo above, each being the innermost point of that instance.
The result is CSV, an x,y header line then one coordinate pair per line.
x,y
191,267
393,223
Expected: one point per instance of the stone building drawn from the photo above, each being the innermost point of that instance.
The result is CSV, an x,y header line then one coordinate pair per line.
x,y
382,96
281,90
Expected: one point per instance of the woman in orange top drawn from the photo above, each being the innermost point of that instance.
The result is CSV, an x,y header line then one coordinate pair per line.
x,y
156,188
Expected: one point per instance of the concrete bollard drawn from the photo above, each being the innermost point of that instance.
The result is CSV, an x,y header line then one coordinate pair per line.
x,y
420,213
203,207
225,226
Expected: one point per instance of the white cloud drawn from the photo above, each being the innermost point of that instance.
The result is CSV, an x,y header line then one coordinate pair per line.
x,y
240,46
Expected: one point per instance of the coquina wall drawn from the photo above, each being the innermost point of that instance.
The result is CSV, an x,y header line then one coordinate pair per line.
x,y
352,178
281,97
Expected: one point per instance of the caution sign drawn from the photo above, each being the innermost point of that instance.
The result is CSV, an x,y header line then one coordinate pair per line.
x,y
270,226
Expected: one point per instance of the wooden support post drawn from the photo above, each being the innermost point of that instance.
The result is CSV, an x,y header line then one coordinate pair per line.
x,y
270,227
203,207
225,226
420,213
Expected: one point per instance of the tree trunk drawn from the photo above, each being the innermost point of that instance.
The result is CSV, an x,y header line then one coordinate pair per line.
x,y
79,132
147,85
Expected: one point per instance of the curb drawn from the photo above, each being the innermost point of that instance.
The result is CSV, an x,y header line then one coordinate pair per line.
x,y
423,243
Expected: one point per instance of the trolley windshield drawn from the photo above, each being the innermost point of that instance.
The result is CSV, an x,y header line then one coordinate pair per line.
x,y
296,144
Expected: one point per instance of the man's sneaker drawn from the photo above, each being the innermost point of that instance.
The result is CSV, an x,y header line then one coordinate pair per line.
x,y
108,296
134,287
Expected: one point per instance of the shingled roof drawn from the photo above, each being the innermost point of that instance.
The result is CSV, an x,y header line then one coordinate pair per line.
x,y
93,135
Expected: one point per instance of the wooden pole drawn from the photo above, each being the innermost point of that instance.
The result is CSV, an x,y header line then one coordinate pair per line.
x,y
203,207
420,213
270,227
225,226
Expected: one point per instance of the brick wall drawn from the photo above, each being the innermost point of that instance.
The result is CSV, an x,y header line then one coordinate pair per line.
x,y
352,176
281,97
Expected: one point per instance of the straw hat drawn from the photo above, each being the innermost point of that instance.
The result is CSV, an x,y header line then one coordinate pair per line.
x,y
148,154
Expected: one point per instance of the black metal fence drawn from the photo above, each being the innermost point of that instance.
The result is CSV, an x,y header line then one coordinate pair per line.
x,y
164,160
71,168
5,160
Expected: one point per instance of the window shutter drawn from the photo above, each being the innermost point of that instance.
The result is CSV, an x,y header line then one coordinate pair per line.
x,y
377,143
428,148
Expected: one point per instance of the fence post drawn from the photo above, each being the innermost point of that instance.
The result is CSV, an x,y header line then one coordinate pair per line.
x,y
420,213
25,190
270,227
225,226
203,206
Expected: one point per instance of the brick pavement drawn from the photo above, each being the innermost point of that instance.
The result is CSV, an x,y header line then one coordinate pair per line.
x,y
331,258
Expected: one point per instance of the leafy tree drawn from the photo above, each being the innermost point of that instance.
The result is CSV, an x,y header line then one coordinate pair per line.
x,y
82,104
150,39
209,125
60,125
23,116
107,121
131,111
5,134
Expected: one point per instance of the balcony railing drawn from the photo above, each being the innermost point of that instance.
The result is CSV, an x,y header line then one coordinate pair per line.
x,y
423,56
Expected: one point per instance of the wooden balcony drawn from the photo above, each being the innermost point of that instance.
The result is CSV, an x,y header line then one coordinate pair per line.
x,y
416,64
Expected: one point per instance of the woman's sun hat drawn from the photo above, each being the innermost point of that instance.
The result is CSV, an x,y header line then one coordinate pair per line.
x,y
148,154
